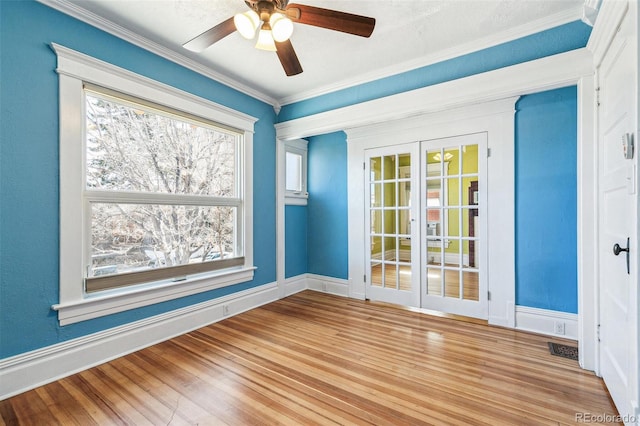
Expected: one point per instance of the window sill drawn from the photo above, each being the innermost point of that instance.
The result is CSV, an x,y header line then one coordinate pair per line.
x,y
111,302
296,199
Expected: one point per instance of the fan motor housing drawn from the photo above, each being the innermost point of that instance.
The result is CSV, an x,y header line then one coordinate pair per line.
x,y
277,4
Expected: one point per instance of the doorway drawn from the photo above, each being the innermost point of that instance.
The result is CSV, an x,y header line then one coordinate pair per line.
x,y
425,223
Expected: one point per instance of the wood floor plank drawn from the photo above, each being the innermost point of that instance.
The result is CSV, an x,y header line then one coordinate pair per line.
x,y
318,359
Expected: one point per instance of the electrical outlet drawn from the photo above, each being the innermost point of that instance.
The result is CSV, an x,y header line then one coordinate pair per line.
x,y
559,327
225,310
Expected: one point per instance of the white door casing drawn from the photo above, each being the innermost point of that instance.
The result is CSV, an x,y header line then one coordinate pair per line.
x,y
618,201
496,118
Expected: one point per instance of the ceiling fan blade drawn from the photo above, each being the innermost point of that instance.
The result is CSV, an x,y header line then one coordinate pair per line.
x,y
331,19
207,38
288,58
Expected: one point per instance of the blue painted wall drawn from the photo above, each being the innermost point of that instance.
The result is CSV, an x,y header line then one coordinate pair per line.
x,y
546,197
556,40
295,241
29,166
545,211
327,231
29,170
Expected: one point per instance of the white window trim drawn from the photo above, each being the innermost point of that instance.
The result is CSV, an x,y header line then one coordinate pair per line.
x,y
298,198
75,305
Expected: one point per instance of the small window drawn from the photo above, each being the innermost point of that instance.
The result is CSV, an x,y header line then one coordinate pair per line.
x,y
296,172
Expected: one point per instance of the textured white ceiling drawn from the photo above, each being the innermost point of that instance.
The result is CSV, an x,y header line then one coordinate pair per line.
x,y
408,34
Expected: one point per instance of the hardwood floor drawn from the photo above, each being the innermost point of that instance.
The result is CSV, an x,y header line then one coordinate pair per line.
x,y
314,358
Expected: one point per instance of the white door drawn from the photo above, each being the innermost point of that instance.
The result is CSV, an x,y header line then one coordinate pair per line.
x,y
454,217
391,203
617,221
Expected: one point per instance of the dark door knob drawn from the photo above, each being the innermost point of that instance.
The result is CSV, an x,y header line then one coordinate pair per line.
x,y
617,250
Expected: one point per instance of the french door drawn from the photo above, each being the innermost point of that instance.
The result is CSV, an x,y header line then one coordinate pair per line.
x,y
425,222
454,220
390,222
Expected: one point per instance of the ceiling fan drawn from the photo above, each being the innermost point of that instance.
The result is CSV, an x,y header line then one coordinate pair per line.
x,y
275,20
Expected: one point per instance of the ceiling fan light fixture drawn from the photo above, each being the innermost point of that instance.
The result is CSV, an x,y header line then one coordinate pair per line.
x,y
247,23
265,39
281,27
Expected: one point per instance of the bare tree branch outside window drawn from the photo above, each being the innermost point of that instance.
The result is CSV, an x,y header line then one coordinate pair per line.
x,y
135,149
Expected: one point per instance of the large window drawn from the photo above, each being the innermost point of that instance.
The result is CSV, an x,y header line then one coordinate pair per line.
x,y
162,192
155,191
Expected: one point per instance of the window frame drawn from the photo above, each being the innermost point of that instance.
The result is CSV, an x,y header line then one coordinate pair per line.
x,y
75,70
298,147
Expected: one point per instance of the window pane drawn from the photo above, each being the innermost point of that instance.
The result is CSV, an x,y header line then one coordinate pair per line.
x,y
470,159
293,180
389,167
376,168
434,281
135,237
139,149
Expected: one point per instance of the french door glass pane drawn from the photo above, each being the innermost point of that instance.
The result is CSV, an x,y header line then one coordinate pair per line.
x,y
470,159
376,247
434,281
404,217
376,274
376,195
376,221
404,275
375,166
434,253
390,194
453,196
470,285
389,167
391,275
452,159
389,248
389,222
452,283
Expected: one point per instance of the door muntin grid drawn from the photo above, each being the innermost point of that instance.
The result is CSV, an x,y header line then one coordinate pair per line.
x,y
451,211
389,182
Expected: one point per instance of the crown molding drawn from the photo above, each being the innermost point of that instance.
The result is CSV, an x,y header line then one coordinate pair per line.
x,y
605,28
112,28
563,69
570,15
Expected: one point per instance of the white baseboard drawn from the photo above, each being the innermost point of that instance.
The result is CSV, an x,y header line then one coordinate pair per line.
x,y
544,321
32,369
295,284
337,286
